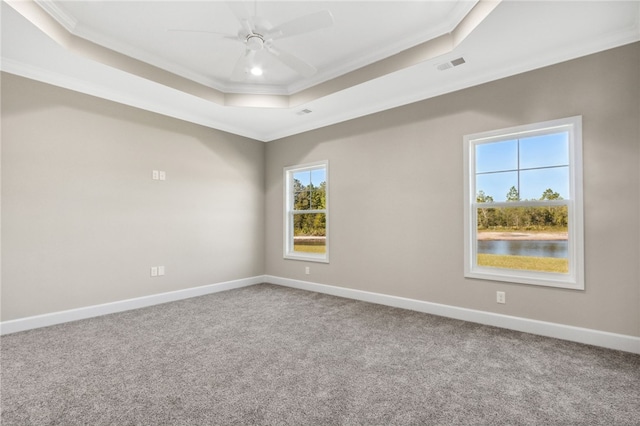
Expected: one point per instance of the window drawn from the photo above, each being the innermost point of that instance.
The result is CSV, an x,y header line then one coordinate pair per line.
x,y
523,204
306,207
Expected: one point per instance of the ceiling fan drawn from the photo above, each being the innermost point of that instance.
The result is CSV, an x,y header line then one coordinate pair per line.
x,y
257,34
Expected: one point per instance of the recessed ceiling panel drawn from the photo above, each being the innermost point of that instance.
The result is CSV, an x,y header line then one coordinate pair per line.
x,y
511,37
200,40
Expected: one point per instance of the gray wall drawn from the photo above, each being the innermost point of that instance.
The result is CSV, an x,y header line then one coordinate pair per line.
x,y
396,182
82,220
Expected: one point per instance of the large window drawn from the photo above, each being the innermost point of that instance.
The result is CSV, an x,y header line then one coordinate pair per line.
x,y
523,204
306,212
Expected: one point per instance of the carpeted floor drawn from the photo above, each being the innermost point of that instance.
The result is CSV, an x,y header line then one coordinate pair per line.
x,y
272,355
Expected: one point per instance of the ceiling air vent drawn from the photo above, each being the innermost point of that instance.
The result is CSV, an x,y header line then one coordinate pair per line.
x,y
450,64
304,112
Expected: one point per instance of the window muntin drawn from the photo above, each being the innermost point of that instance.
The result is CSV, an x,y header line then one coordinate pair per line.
x,y
306,210
523,204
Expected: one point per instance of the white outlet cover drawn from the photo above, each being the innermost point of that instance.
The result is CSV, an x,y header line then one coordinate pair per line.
x,y
154,271
163,175
160,270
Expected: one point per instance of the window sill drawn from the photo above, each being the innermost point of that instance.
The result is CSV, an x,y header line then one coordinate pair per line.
x,y
546,279
308,257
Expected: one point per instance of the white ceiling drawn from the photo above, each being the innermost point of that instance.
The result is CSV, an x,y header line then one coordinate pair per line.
x,y
357,73
362,33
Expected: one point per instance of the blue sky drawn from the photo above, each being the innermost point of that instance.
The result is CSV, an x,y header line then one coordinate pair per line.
x,y
501,165
316,176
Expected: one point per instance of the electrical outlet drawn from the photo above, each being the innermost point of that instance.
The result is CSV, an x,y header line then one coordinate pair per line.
x,y
307,270
155,175
154,271
160,270
501,297
162,175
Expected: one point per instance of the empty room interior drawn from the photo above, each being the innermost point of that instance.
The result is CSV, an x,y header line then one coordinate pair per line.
x,y
320,212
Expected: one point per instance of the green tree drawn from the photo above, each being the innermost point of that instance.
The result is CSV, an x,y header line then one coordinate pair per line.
x,y
481,197
530,217
513,194
554,215
485,215
513,215
309,197
549,194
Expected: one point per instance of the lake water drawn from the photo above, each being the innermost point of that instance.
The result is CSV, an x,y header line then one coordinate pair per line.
x,y
525,248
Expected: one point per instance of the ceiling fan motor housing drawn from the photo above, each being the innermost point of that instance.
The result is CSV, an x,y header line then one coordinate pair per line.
x,y
255,41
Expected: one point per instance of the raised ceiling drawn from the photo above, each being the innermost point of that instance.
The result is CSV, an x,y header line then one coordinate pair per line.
x,y
375,56
160,33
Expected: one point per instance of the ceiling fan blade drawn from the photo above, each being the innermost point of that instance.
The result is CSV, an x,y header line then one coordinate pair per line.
x,y
242,15
239,72
304,24
293,62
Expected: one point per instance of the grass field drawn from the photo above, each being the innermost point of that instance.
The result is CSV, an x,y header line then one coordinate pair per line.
x,y
309,248
528,263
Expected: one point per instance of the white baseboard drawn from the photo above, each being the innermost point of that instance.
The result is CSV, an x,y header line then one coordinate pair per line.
x,y
45,320
559,331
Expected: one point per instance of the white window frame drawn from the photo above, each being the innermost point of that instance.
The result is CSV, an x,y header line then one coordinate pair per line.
x,y
575,278
289,253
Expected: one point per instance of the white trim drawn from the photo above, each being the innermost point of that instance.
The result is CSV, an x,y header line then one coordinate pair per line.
x,y
45,320
587,336
62,17
575,278
429,92
288,252
627,36
169,109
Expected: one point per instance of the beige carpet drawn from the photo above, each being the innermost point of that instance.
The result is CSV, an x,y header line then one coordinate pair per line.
x,y
273,355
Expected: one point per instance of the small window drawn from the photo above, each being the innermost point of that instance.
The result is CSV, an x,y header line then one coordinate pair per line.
x,y
306,212
523,204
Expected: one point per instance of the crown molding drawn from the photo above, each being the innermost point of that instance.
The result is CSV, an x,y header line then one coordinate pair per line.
x,y
155,96
169,109
52,27
67,21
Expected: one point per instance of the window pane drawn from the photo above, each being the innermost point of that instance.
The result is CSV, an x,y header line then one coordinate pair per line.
x,y
527,241
535,183
544,151
318,198
306,212
304,178
496,185
524,238
309,232
318,176
309,189
301,200
497,156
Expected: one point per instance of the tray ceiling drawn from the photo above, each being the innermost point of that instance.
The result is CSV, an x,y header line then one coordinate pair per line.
x,y
375,56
